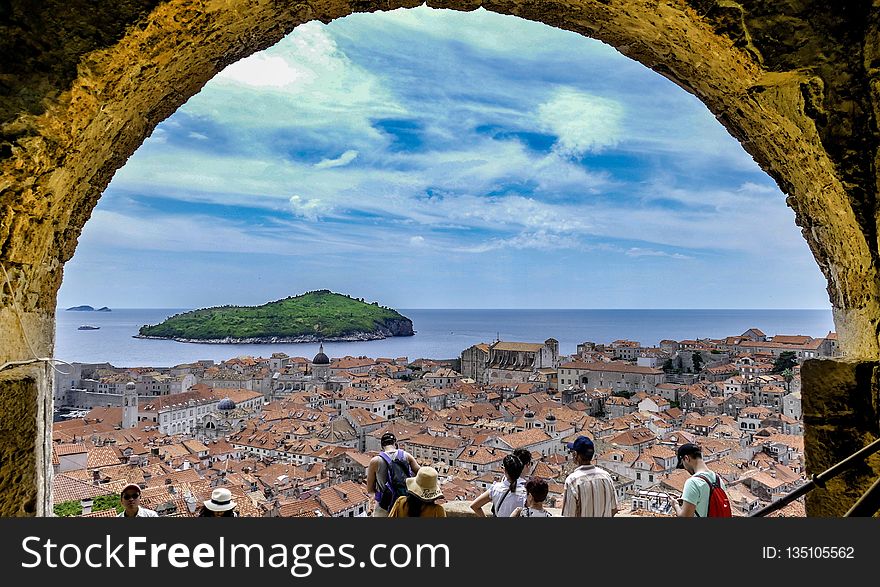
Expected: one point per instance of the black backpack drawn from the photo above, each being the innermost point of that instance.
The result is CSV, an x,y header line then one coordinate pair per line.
x,y
397,470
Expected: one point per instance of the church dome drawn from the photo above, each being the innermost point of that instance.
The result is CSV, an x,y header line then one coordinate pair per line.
x,y
226,404
321,358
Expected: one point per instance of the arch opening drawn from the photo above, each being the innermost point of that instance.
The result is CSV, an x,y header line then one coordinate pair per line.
x,y
57,176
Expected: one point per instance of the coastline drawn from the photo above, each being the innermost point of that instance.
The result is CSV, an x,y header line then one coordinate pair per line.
x,y
441,333
305,339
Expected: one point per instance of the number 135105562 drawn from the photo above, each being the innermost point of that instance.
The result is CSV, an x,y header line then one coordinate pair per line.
x,y
808,552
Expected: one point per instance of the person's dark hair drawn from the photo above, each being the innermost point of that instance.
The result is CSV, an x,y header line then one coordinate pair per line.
x,y
524,455
414,505
587,454
537,488
206,513
694,453
514,468
388,439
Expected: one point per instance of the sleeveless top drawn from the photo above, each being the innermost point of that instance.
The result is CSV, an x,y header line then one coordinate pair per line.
x,y
506,501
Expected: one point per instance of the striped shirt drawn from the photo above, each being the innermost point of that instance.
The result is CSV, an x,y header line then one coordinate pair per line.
x,y
589,493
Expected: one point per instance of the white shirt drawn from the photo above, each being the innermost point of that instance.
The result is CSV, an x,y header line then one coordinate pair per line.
x,y
142,513
514,499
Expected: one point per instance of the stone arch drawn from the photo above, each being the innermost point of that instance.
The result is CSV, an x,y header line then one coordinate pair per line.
x,y
801,102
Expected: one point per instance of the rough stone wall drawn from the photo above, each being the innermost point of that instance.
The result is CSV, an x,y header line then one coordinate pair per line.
x,y
42,68
795,81
841,415
18,437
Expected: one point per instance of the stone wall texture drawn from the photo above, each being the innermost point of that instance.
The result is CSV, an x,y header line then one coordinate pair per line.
x,y
796,82
18,438
841,415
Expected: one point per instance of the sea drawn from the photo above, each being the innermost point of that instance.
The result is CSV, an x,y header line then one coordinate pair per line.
x,y
440,333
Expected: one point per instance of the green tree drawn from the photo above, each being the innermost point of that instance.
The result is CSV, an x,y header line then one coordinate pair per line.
x,y
100,503
697,359
668,366
68,508
785,360
788,375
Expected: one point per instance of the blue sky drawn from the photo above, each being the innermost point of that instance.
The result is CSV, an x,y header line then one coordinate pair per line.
x,y
439,159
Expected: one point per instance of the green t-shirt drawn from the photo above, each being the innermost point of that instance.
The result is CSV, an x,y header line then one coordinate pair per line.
x,y
696,491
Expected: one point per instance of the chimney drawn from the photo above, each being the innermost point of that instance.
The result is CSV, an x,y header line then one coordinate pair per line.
x,y
190,503
96,477
86,503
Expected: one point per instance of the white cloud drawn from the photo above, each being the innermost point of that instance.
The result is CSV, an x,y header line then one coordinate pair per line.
x,y
541,240
640,252
303,81
198,136
750,187
261,70
340,161
479,30
159,136
417,241
132,230
582,122
309,208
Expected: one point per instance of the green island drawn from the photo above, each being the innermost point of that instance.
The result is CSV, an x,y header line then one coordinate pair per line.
x,y
311,317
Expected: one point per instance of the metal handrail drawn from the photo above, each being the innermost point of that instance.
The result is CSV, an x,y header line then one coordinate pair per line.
x,y
868,504
867,500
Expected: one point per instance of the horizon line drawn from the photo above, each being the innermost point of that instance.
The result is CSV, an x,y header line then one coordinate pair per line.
x,y
59,309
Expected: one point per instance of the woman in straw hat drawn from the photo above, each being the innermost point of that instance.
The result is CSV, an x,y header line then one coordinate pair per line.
x,y
422,492
221,505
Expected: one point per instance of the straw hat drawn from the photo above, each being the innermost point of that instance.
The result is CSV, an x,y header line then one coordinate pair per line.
x,y
221,500
424,484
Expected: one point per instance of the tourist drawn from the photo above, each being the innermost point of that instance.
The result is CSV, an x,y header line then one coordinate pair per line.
x,y
221,505
525,457
589,490
130,498
504,500
387,474
422,492
536,493
698,489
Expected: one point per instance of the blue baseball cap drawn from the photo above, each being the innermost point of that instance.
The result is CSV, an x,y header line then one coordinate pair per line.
x,y
581,445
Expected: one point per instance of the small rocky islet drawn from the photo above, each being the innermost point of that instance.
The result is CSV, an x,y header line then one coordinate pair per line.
x,y
315,316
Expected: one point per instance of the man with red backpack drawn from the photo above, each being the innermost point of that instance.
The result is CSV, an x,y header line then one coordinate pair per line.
x,y
703,494
387,474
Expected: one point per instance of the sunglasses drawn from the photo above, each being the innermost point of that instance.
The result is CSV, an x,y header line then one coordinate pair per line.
x,y
131,496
